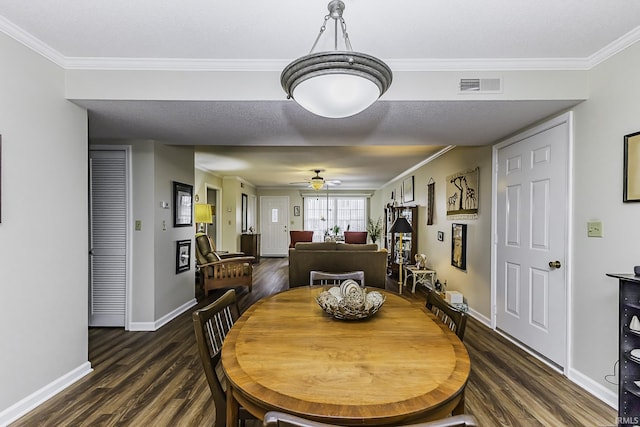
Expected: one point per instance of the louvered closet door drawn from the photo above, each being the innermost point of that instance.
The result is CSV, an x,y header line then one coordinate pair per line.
x,y
108,219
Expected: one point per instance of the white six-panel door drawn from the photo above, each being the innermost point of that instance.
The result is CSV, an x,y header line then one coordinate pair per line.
x,y
531,225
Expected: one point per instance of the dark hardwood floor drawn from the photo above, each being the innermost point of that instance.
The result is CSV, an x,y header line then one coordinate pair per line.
x,y
156,379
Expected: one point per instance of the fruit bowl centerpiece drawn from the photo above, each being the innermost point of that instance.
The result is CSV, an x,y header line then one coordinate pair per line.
x,y
349,301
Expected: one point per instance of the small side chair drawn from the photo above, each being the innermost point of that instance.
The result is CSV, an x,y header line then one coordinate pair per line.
x,y
280,419
211,325
454,319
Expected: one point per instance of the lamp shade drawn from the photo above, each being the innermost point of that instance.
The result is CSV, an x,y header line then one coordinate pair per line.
x,y
203,213
336,84
401,225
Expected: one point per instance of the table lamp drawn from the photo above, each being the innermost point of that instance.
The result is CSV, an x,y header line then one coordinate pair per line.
x,y
204,215
401,226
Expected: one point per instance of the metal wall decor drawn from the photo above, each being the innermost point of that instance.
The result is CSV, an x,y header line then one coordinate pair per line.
x,y
462,195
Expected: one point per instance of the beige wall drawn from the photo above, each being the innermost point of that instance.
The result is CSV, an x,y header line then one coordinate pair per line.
x,y
43,233
475,282
612,111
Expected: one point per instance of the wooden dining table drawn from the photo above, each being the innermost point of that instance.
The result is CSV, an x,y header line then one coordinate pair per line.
x,y
397,367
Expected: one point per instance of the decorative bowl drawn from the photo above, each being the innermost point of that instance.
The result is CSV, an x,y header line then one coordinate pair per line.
x,y
349,301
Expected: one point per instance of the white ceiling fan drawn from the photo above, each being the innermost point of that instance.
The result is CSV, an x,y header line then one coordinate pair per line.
x,y
317,182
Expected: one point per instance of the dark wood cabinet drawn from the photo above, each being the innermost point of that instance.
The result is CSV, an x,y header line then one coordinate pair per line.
x,y
250,245
392,240
629,340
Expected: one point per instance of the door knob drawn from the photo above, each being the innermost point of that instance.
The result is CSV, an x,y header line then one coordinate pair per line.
x,y
555,264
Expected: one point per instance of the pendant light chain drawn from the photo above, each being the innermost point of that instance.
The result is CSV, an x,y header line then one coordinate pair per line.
x,y
343,28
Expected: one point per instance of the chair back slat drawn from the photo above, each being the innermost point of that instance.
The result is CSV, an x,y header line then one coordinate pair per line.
x,y
454,319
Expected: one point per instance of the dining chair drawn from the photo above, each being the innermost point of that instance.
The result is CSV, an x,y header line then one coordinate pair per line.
x,y
211,325
280,419
327,278
456,320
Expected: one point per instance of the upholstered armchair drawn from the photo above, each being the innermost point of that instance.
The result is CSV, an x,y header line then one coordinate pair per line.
x,y
219,271
355,237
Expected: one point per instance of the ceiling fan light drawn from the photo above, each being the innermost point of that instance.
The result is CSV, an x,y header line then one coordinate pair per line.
x,y
317,183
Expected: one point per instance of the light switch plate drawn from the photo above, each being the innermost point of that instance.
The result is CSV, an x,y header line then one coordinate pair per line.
x,y
594,229
138,225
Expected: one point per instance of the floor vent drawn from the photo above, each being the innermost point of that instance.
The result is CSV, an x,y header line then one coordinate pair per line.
x,y
481,85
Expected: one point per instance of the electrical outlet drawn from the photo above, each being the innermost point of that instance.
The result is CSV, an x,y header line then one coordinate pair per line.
x,y
594,229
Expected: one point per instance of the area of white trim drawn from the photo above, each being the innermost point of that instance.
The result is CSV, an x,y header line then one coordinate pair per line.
x,y
480,317
35,399
154,326
607,396
412,64
419,165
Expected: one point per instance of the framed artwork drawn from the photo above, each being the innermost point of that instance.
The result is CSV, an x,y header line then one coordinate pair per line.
x,y
245,206
296,211
459,246
183,255
0,178
440,236
462,195
407,190
182,205
631,181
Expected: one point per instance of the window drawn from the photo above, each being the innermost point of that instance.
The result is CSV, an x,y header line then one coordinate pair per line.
x,y
321,214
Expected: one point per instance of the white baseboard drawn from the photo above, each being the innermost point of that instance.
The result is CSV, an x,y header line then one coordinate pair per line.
x,y
154,326
479,317
598,390
35,399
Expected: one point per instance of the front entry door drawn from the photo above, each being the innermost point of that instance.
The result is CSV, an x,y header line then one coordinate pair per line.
x,y
274,226
531,224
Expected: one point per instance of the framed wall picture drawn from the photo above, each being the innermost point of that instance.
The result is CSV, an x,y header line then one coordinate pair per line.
x,y
631,181
183,255
459,246
296,210
407,190
182,204
0,178
245,207
440,236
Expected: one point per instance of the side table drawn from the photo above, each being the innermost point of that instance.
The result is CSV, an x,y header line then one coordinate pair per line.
x,y
422,277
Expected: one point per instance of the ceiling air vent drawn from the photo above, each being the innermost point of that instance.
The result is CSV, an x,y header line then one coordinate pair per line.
x,y
481,85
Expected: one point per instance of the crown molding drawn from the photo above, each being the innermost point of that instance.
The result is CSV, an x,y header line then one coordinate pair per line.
x,y
31,42
276,65
613,48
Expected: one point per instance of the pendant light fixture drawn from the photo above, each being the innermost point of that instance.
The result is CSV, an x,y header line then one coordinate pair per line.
x,y
338,83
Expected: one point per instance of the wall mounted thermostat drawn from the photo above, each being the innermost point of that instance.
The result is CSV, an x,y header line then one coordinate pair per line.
x,y
164,205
